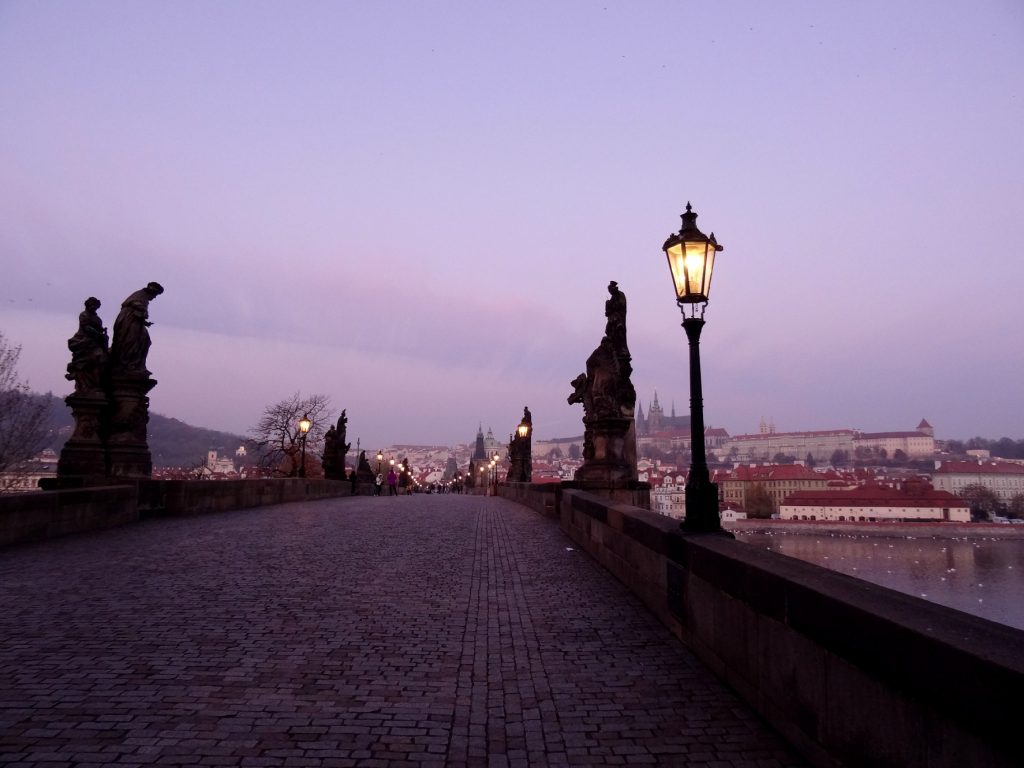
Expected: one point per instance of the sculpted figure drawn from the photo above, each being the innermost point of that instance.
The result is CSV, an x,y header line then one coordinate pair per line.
x,y
329,460
131,335
342,446
615,311
88,350
579,391
608,398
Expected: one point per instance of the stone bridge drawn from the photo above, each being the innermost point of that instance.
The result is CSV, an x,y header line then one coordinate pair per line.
x,y
411,631
552,627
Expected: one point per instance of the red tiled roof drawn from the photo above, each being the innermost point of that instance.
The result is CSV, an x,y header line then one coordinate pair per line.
x,y
874,496
819,433
773,472
880,435
984,468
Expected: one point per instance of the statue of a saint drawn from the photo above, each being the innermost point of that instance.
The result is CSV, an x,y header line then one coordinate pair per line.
x,y
615,311
343,447
89,350
131,335
329,460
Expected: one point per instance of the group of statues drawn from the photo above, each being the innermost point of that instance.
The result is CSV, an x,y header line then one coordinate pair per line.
x,y
336,449
94,359
109,404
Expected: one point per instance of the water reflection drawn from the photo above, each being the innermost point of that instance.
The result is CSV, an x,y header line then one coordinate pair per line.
x,y
980,576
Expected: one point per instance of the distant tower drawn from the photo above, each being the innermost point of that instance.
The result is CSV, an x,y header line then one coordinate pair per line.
x,y
925,428
479,452
641,422
654,414
762,428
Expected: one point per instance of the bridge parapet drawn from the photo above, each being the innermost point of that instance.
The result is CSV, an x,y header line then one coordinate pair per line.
x,y
48,514
850,672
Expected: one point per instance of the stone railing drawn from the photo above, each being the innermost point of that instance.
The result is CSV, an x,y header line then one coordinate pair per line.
x,y
851,673
48,514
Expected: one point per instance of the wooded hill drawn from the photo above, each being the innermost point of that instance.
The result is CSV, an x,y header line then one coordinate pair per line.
x,y
172,443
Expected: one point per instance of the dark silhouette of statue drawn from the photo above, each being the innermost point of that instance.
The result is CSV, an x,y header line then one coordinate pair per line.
x,y
89,351
606,392
329,460
131,333
342,447
335,450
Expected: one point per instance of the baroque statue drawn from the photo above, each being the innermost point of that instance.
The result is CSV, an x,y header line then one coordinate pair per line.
x,y
89,351
131,333
606,392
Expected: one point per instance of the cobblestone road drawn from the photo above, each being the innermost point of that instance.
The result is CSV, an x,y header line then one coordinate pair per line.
x,y
415,631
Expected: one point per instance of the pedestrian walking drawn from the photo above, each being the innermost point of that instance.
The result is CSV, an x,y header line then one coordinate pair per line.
x,y
392,482
377,483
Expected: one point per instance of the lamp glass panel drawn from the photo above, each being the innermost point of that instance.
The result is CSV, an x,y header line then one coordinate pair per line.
x,y
675,264
709,270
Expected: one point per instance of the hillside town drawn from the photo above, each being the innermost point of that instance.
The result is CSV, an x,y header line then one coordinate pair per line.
x,y
833,475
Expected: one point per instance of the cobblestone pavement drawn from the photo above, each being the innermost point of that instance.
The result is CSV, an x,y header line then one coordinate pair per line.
x,y
412,631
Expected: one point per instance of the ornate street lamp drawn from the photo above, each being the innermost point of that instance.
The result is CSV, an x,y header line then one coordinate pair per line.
x,y
304,426
691,259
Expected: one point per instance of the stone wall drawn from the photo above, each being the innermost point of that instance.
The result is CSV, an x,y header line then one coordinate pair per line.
x,y
851,673
178,498
540,497
49,514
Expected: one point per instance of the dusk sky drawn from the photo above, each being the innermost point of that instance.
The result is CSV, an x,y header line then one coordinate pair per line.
x,y
416,207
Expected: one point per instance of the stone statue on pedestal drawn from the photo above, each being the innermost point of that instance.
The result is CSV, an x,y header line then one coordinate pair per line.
x,y
606,392
335,450
110,404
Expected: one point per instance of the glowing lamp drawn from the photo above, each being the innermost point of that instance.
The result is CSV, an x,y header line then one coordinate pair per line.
x,y
691,259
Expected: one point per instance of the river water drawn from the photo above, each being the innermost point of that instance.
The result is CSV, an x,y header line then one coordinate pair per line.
x,y
982,576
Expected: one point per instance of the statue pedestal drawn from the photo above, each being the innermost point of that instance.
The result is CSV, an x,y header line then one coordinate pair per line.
x,y
83,455
609,444
127,446
632,492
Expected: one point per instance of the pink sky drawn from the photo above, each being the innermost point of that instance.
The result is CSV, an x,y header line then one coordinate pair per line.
x,y
416,207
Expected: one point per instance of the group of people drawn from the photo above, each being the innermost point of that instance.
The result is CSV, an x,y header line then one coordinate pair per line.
x,y
392,481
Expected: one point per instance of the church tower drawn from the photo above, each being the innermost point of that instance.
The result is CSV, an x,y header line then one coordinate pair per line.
x,y
479,452
654,414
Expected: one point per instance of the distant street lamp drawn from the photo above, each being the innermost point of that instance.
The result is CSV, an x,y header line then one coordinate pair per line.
x,y
304,426
380,458
691,259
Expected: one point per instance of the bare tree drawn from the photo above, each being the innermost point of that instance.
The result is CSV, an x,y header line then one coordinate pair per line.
x,y
278,438
758,502
23,419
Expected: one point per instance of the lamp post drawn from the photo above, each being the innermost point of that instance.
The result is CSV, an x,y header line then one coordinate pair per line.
x,y
380,458
691,259
304,425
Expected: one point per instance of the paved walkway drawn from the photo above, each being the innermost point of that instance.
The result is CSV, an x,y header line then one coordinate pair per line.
x,y
414,631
